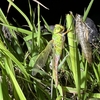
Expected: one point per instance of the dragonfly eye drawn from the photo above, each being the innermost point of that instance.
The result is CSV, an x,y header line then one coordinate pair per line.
x,y
59,29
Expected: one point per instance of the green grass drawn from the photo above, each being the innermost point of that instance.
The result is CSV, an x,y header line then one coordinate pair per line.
x,y
77,78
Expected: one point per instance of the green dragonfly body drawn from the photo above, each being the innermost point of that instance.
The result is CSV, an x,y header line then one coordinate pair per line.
x,y
58,43
55,45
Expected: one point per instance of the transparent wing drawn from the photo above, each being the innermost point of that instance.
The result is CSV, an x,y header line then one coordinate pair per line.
x,y
42,58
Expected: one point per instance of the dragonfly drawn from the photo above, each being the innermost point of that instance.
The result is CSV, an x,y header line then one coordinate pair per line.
x,y
55,46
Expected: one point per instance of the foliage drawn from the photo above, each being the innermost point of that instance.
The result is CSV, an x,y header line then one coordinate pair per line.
x,y
77,78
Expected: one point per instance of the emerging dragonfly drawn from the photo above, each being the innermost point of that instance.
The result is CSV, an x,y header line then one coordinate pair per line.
x,y
57,44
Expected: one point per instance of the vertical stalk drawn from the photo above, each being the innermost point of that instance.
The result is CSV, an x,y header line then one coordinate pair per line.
x,y
87,10
38,36
73,53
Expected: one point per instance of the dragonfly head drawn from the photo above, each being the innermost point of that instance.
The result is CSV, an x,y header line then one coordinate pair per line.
x,y
59,28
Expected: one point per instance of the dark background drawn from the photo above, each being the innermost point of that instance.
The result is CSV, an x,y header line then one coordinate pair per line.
x,y
57,8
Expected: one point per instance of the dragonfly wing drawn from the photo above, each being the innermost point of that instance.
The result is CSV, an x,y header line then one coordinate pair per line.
x,y
42,58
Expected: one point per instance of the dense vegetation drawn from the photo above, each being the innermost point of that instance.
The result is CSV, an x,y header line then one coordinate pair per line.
x,y
19,51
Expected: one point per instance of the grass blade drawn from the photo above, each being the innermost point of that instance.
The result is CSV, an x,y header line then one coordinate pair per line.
x,y
73,53
22,13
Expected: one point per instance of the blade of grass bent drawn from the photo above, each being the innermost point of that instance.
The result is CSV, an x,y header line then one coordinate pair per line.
x,y
22,13
24,31
16,86
6,52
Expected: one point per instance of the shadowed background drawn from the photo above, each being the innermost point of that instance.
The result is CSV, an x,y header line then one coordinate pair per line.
x,y
58,9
